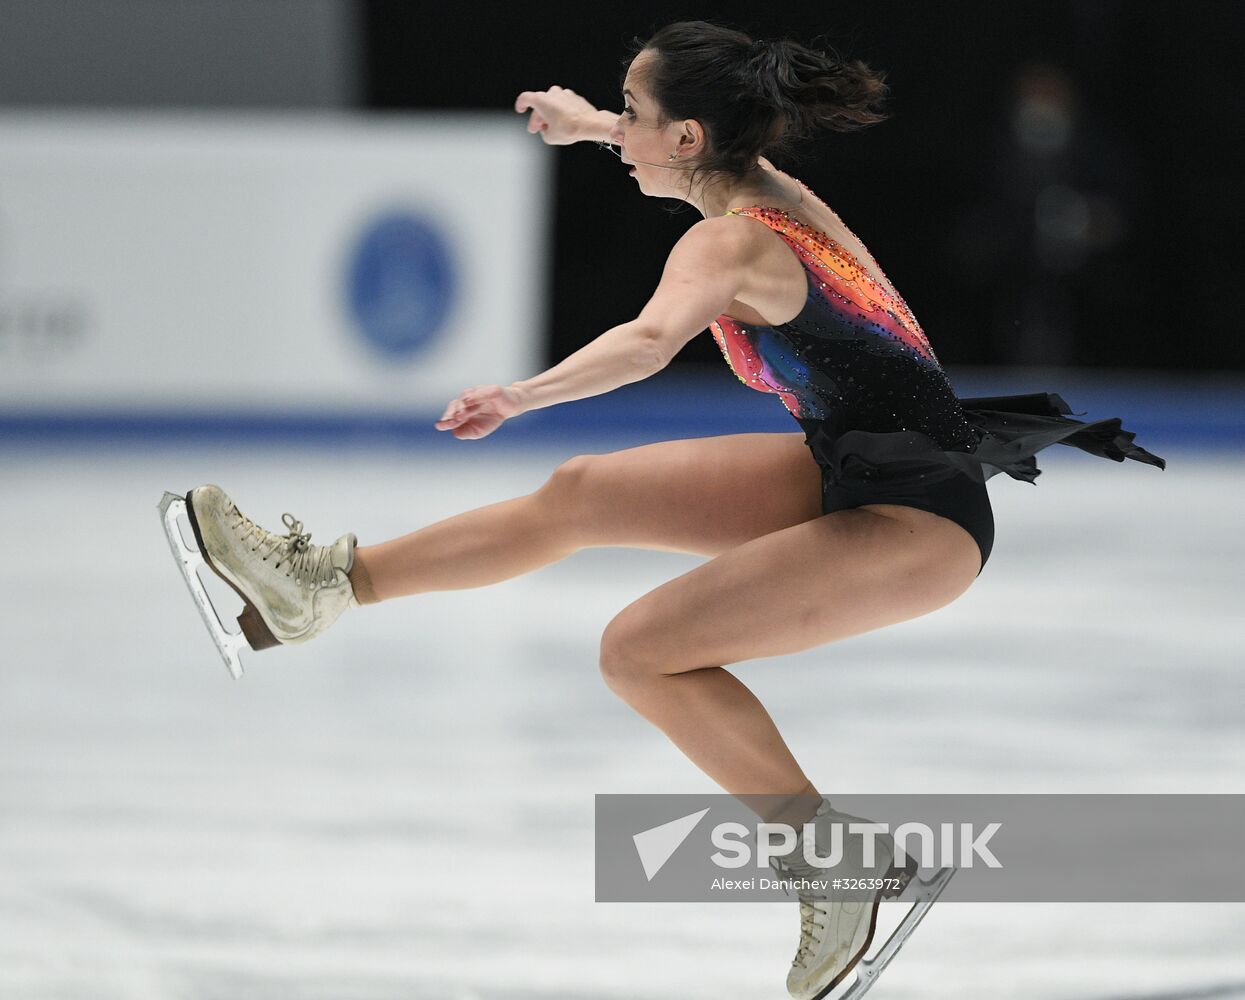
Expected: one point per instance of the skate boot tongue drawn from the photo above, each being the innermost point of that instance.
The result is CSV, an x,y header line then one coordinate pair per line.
x,y
793,862
341,555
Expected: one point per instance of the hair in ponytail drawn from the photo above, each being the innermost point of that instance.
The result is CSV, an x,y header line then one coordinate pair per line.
x,y
816,90
755,98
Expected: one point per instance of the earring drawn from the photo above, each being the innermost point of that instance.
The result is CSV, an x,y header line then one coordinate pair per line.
x,y
673,156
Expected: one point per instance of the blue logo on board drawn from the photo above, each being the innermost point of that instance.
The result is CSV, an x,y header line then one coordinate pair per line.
x,y
402,283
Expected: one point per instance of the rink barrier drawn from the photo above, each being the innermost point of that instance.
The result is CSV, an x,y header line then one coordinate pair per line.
x,y
1160,413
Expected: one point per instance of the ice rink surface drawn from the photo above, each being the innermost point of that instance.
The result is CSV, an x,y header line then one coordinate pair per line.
x,y
403,809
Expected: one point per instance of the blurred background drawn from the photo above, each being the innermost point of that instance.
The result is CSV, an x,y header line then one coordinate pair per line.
x,y
263,242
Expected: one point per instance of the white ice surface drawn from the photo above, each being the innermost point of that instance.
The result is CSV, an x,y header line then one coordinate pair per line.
x,y
403,809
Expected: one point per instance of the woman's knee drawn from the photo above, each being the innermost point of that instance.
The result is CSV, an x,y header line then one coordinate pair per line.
x,y
570,481
575,495
622,659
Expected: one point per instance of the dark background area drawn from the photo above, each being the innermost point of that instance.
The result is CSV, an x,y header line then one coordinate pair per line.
x,y
940,193
1117,247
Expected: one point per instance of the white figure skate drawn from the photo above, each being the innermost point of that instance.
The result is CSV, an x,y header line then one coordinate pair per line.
x,y
837,925
292,590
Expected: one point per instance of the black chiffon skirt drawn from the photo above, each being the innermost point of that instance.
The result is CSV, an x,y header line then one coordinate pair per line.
x,y
910,468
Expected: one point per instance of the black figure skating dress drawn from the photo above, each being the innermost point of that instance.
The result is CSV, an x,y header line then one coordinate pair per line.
x,y
878,412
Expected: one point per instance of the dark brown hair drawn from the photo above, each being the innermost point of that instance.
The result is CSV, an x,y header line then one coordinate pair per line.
x,y
754,98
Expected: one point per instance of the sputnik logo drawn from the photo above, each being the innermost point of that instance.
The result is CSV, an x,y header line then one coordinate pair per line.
x,y
655,846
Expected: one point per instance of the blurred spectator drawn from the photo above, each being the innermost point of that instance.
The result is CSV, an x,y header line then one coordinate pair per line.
x,y
1062,195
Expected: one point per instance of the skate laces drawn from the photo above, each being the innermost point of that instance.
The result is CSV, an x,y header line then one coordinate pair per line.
x,y
303,561
307,562
299,539
808,902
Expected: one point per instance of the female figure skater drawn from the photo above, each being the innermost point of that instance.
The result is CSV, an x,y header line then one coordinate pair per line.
x,y
874,512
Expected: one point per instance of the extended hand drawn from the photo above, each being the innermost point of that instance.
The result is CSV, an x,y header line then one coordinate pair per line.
x,y
479,411
556,114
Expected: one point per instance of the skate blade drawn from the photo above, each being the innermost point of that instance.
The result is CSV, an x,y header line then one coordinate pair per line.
x,y
189,559
922,893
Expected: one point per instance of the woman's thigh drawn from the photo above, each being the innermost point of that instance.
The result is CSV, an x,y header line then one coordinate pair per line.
x,y
838,575
700,495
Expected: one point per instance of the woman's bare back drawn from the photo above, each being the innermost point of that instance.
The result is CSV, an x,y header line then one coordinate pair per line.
x,y
777,293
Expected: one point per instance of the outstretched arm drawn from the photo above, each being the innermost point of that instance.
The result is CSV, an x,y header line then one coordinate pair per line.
x,y
596,125
561,117
702,276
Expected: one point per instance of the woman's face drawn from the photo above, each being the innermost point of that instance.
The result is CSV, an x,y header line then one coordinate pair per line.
x,y
641,141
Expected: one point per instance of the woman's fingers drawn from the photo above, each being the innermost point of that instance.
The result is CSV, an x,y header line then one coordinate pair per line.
x,y
459,410
553,113
531,101
462,399
475,413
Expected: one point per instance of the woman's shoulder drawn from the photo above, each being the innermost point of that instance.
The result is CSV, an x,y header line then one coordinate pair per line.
x,y
729,227
717,243
737,236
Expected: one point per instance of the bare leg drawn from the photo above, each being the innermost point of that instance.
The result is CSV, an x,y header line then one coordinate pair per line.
x,y
724,729
473,549
655,496
838,575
